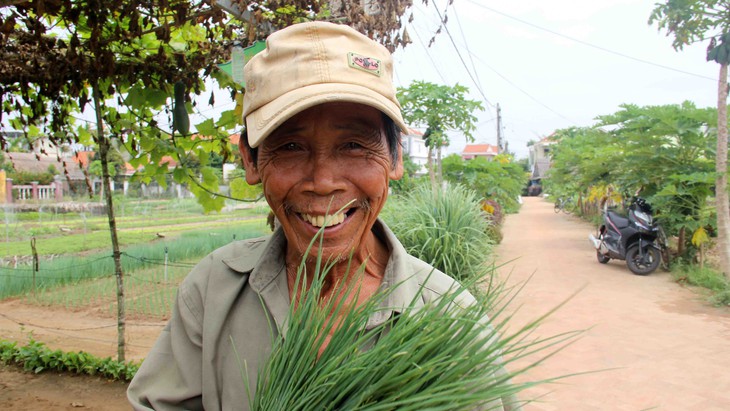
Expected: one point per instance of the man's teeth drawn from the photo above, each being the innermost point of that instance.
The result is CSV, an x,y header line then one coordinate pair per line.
x,y
324,221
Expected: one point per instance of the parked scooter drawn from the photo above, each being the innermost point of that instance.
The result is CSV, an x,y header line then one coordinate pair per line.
x,y
637,238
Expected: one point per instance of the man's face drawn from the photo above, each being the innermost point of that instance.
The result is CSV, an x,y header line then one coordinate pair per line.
x,y
327,166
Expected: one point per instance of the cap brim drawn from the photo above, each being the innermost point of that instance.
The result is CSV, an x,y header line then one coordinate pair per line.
x,y
261,122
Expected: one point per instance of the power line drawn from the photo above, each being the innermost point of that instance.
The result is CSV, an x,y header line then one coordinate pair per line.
x,y
524,92
433,63
497,73
458,53
466,44
585,43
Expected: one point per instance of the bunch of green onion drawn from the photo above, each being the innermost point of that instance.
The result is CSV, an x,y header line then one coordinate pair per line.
x,y
447,355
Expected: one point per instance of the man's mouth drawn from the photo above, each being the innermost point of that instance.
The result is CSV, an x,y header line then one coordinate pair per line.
x,y
326,220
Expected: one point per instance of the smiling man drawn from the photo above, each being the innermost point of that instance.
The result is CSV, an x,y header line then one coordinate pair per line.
x,y
323,138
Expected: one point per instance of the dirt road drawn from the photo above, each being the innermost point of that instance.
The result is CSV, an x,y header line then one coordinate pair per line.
x,y
661,346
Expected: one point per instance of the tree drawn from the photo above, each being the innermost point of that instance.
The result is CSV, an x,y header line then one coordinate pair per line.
x,y
691,21
665,152
439,108
122,57
499,179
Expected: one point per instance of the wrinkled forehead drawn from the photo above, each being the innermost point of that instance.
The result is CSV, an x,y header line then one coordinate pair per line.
x,y
348,117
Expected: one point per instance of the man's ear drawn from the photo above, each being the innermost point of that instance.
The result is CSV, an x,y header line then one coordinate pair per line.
x,y
252,171
396,173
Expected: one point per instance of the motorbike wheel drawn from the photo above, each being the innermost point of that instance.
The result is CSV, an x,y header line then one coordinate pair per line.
x,y
650,262
602,258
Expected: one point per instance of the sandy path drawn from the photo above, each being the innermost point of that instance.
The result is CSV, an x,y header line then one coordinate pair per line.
x,y
666,348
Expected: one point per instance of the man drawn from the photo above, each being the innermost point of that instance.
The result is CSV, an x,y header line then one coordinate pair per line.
x,y
322,137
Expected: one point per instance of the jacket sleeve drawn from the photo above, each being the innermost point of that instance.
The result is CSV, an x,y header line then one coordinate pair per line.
x,y
170,377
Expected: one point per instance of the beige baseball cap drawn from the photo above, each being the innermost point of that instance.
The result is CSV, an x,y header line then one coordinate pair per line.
x,y
308,64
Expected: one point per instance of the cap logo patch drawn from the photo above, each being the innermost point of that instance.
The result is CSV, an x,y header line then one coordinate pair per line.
x,y
367,64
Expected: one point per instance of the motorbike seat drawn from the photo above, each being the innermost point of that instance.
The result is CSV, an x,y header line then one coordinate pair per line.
x,y
620,221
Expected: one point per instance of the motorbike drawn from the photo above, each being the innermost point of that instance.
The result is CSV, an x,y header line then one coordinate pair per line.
x,y
636,238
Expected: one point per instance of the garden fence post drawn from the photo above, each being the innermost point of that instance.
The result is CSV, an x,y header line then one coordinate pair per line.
x,y
58,192
3,186
35,261
165,264
9,190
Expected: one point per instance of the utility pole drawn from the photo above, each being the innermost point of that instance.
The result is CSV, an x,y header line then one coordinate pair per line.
x,y
500,143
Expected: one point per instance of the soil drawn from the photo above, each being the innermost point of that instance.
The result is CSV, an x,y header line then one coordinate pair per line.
x,y
647,343
88,331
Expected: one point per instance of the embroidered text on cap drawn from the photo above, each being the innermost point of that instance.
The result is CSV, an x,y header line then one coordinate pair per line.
x,y
366,64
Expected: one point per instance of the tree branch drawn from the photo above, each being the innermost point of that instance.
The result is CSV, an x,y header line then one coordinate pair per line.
x,y
8,3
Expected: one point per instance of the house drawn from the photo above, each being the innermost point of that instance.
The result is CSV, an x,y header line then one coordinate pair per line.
x,y
68,176
472,151
44,163
153,188
539,163
39,144
415,147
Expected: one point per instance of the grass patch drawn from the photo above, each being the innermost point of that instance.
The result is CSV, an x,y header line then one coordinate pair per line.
x,y
94,240
705,277
67,233
72,270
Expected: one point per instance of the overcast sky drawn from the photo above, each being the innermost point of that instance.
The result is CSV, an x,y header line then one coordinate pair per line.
x,y
545,81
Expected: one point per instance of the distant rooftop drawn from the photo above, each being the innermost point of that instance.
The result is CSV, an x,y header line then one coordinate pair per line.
x,y
480,150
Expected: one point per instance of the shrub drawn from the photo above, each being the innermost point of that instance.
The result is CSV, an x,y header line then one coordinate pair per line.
x,y
37,357
27,177
446,228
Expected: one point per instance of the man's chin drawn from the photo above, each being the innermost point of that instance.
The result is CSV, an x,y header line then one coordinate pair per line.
x,y
328,255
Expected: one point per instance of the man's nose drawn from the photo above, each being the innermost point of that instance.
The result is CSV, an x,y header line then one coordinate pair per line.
x,y
326,174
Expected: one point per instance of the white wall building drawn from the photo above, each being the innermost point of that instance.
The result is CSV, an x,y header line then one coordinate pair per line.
x,y
415,147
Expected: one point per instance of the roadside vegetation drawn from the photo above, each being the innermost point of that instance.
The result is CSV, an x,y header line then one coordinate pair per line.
x,y
446,228
716,286
664,154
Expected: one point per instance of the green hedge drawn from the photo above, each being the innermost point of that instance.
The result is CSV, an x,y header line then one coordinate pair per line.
x,y
36,357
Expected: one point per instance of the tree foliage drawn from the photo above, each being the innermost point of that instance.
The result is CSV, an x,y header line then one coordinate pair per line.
x,y
665,153
124,60
439,108
500,179
690,21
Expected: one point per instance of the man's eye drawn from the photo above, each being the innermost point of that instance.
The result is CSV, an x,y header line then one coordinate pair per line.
x,y
289,147
353,146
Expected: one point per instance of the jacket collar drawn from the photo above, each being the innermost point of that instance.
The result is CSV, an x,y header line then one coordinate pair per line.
x,y
265,261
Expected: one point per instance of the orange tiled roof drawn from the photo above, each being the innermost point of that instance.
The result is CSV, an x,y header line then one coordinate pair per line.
x,y
83,158
171,162
477,149
414,132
